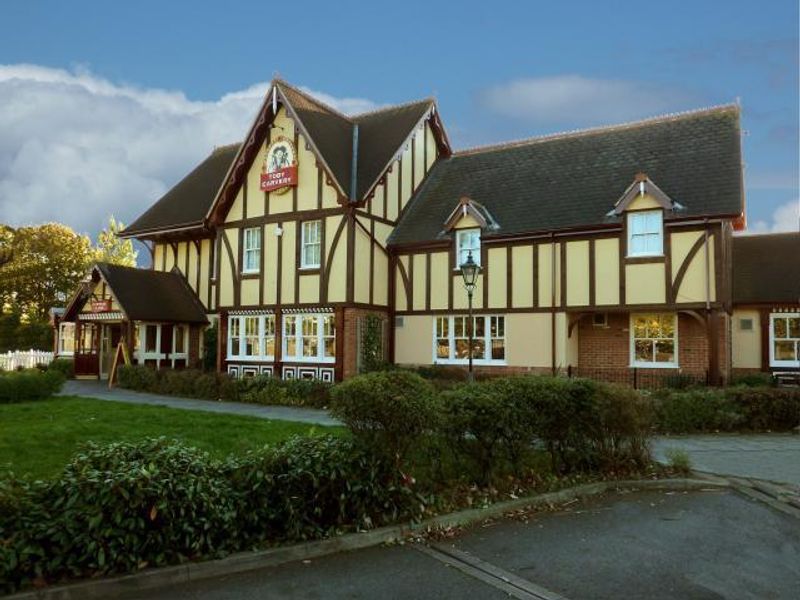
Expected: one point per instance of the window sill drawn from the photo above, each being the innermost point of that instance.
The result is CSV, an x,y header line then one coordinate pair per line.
x,y
645,258
463,362
785,364
308,359
654,366
231,358
250,274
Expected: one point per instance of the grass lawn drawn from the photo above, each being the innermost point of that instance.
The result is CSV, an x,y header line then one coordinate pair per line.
x,y
38,438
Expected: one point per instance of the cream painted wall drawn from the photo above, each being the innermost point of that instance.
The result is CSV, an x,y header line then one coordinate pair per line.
x,y
466,222
380,283
606,264
528,342
249,292
460,299
227,268
309,289
418,287
270,243
337,278
693,286
522,287
496,258
439,277
578,273
645,283
681,242
288,262
643,203
546,274
361,271
746,345
413,342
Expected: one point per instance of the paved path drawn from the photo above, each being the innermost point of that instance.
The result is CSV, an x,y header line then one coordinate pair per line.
x,y
100,391
657,545
773,457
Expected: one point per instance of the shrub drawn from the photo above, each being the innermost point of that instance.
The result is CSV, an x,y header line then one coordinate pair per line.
x,y
766,408
312,487
31,384
63,366
189,383
678,460
754,380
136,377
696,410
624,420
269,390
387,410
120,507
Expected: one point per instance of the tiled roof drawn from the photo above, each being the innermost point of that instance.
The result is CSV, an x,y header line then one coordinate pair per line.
x,y
147,295
766,268
573,180
188,202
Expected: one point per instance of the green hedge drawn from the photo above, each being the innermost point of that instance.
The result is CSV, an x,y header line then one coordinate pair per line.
x,y
269,390
189,383
64,366
31,384
121,507
736,408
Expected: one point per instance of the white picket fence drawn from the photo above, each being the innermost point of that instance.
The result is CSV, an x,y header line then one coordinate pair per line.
x,y
11,361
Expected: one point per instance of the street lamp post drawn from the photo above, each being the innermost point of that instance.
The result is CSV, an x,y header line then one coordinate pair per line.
x,y
469,271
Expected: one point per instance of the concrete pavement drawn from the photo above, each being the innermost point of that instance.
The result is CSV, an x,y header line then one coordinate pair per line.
x,y
99,391
772,457
661,545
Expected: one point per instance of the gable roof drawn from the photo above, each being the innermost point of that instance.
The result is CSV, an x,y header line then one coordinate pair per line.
x,y
187,203
144,295
766,268
572,180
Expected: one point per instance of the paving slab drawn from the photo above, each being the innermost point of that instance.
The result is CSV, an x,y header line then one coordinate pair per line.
x,y
772,457
658,545
99,390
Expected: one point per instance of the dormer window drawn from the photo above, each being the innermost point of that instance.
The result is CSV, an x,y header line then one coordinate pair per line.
x,y
468,240
646,233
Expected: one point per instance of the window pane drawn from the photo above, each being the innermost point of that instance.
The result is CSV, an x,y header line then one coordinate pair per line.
x,y
498,349
785,351
291,347
459,329
794,327
640,327
330,347
478,349
442,348
150,338
462,348
180,339
780,328
269,346
479,327
665,351
644,351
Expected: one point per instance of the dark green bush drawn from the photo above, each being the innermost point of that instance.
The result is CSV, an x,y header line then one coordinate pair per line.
x,y
64,366
387,410
766,408
189,383
269,390
118,508
754,380
312,487
121,507
624,422
697,410
30,384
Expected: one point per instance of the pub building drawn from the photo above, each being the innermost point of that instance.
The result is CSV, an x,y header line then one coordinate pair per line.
x,y
607,252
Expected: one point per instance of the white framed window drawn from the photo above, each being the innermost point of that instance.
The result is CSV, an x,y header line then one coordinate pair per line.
x,y
654,340
451,339
645,233
66,339
784,340
252,250
309,338
311,245
468,240
180,344
251,337
148,344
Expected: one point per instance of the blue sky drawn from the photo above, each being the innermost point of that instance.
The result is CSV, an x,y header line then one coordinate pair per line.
x,y
111,103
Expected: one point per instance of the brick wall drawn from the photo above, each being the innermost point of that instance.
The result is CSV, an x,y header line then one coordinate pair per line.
x,y
609,347
349,356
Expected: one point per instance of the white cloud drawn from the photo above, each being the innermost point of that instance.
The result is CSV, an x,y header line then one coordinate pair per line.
x,y
784,218
76,148
579,100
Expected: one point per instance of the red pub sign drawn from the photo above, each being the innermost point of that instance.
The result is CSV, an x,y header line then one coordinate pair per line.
x,y
279,172
101,305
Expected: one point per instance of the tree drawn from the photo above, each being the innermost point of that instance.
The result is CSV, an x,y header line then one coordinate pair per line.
x,y
47,263
112,249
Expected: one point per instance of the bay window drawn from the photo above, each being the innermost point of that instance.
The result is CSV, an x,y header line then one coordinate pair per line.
x,y
784,340
451,339
309,338
251,337
252,250
654,340
645,233
468,240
